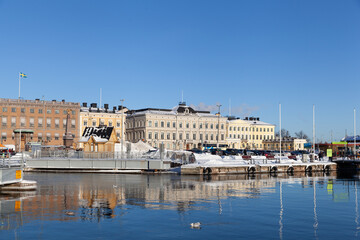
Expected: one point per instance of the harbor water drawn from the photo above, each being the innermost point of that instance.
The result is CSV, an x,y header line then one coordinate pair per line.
x,y
162,206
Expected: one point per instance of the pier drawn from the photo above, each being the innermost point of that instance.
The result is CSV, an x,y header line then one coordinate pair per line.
x,y
259,168
97,165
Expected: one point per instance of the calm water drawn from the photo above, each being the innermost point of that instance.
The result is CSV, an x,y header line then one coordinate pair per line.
x,y
110,206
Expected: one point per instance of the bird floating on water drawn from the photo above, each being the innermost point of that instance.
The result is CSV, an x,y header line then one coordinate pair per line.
x,y
195,225
69,213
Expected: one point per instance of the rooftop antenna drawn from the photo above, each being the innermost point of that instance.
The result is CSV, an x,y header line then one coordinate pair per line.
x,y
182,96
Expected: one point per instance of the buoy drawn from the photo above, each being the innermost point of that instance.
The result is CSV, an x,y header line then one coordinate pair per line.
x,y
195,225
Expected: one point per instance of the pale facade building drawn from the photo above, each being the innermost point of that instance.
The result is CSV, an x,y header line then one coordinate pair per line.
x,y
94,117
179,128
248,133
287,144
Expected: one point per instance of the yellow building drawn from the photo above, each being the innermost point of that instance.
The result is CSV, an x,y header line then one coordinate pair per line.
x,y
248,133
93,116
287,144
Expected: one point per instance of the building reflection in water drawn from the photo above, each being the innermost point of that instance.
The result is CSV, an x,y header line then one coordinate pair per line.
x,y
93,197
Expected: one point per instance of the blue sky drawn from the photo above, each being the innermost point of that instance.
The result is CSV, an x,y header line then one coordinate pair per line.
x,y
254,53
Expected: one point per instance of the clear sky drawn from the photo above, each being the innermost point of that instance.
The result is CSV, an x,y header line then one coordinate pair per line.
x,y
254,53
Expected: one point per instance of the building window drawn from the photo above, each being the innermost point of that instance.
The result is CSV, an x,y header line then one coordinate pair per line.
x,y
162,124
230,129
200,126
201,137
174,136
174,125
94,123
187,125
4,109
168,136
194,125
180,125
150,123
3,136
13,109
73,123
211,126
110,124
48,111
39,137
57,136
187,137
217,126
57,122
168,124
156,124
48,122
4,121
194,136
40,122
57,111
180,136
162,136
22,122
32,110
118,124
206,125
222,136
73,112
156,135
211,137
31,122
206,137
65,112
85,122
48,137
40,111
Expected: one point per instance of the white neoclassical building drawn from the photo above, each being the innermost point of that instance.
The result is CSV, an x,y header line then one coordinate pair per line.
x,y
179,128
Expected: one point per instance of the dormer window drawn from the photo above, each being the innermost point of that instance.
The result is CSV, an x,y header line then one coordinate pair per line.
x,y
186,111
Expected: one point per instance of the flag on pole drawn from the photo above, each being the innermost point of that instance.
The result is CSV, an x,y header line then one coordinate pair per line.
x,y
23,75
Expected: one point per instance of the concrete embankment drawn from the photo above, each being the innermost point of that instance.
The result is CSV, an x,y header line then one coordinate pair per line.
x,y
193,169
97,165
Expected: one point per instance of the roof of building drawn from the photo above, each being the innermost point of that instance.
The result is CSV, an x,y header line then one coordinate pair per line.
x,y
182,108
253,121
100,134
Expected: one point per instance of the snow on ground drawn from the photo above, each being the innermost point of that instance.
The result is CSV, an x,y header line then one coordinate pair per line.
x,y
208,160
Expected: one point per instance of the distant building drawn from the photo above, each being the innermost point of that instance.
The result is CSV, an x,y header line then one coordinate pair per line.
x,y
98,139
287,144
93,116
248,133
179,128
37,121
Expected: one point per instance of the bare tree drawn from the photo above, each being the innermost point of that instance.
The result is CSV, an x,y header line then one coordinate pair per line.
x,y
302,135
284,133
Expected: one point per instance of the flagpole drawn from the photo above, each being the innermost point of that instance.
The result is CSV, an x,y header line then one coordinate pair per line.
x,y
19,85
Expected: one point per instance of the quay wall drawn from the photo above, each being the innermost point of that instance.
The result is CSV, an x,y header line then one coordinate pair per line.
x,y
96,164
259,168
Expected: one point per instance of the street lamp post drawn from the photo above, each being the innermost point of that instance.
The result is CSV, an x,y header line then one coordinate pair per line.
x,y
217,143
